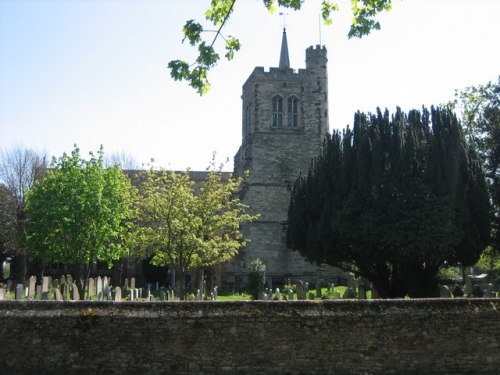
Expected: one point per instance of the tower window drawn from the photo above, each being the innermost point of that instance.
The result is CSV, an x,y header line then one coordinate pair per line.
x,y
277,112
293,112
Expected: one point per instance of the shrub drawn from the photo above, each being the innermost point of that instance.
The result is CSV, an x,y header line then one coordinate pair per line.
x,y
256,278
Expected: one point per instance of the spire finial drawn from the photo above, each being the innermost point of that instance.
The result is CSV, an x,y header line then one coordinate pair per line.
x,y
284,59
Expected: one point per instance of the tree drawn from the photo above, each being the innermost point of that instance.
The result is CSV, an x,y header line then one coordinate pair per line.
x,y
79,214
196,74
19,168
480,109
125,160
393,200
186,226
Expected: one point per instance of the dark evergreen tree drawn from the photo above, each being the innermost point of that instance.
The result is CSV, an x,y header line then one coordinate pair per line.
x,y
394,200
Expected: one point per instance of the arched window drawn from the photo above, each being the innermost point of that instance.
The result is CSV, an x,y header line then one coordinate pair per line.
x,y
293,112
277,112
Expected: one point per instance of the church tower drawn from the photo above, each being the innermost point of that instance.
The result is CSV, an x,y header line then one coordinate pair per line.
x,y
285,118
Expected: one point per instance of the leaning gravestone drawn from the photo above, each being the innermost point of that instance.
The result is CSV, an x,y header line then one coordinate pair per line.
x,y
32,287
69,280
349,293
65,291
444,291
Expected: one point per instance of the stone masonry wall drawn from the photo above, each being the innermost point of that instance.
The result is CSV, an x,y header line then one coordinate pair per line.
x,y
448,336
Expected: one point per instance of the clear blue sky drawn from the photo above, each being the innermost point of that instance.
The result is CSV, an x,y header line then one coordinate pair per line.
x,y
95,72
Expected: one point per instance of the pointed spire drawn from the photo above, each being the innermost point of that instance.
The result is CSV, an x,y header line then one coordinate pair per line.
x,y
284,59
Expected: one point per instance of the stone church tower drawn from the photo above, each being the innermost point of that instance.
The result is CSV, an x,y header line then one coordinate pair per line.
x,y
285,118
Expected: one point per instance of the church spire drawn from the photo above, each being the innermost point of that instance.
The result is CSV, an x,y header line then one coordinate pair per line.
x,y
284,59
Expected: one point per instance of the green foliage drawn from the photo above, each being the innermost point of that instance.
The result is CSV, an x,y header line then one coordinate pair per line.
x,y
187,226
480,109
256,278
79,212
394,200
220,11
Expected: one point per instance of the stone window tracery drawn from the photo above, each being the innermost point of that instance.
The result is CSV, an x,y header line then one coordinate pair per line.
x,y
293,112
277,112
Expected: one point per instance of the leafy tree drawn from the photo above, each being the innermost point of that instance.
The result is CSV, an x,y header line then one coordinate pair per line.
x,y
186,226
19,168
79,213
393,200
480,108
196,74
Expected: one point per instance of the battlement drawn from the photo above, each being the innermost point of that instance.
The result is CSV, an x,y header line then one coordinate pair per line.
x,y
316,51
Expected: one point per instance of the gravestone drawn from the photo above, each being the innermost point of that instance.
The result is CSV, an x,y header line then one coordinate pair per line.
x,y
277,294
2,294
69,281
215,293
290,294
318,289
57,294
91,292
301,293
99,287
361,291
32,287
45,288
489,291
65,291
132,283
62,280
19,292
349,293
332,288
105,283
125,284
163,295
336,295
444,291
76,293
468,286
132,294
9,284
118,294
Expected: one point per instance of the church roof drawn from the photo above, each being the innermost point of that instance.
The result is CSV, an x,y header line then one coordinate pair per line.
x,y
284,59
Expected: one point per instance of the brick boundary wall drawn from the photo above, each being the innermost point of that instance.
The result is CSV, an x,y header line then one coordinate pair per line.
x,y
427,336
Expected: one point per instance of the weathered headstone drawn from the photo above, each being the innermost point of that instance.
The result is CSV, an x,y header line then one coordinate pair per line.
x,y
69,280
118,294
361,291
32,287
290,294
105,283
65,291
132,294
62,280
125,284
76,293
2,294
91,292
444,291
19,292
277,294
45,288
163,295
468,286
215,293
332,288
489,291
99,286
349,293
132,283
318,289
57,294
301,293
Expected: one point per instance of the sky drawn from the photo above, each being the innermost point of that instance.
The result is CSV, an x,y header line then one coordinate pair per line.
x,y
94,72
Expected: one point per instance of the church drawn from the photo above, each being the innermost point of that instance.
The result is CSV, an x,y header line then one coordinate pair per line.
x,y
284,122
